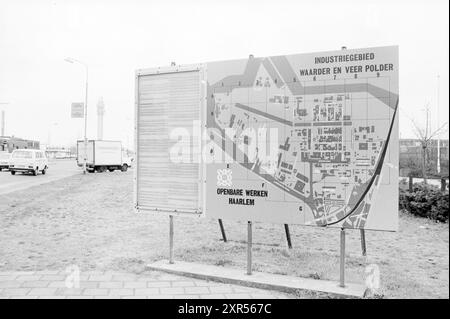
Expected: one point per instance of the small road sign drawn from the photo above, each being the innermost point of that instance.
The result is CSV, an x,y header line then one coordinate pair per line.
x,y
77,110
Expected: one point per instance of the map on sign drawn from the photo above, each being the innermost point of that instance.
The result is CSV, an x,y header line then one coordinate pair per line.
x,y
333,118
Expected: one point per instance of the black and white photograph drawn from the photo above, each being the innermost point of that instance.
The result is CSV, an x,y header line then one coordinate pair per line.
x,y
224,155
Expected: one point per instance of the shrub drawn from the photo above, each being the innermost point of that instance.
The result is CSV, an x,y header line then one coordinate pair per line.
x,y
425,201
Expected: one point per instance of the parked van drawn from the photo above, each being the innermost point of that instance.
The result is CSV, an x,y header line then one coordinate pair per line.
x,y
28,161
4,160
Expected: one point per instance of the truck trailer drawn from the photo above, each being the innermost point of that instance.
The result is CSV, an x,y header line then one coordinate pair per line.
x,y
102,156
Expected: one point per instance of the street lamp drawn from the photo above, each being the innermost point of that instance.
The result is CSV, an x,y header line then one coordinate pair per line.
x,y
72,60
2,120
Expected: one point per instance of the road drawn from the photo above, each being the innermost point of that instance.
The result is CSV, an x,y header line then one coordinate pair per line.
x,y
57,169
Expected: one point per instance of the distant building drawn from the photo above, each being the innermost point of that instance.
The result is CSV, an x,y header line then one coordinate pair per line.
x,y
411,157
10,143
58,152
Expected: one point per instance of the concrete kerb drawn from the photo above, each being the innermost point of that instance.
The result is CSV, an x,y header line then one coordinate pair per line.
x,y
287,284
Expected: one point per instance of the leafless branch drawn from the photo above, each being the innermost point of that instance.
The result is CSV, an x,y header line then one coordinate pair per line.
x,y
440,130
418,131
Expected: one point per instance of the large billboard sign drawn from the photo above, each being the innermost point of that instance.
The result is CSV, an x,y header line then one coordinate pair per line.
x,y
308,139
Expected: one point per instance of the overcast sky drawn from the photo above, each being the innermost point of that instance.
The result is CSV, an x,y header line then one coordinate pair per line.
x,y
116,37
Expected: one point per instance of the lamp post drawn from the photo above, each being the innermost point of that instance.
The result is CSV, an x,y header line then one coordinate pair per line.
x,y
72,60
438,168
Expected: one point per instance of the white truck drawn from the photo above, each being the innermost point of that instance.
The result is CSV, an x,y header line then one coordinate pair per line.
x,y
102,156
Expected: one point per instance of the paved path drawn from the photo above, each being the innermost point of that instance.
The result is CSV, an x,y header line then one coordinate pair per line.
x,y
57,169
72,284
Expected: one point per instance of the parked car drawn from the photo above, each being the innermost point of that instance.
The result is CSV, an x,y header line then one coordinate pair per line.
x,y
4,160
28,161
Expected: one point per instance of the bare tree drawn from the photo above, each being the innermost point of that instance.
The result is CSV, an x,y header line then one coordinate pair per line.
x,y
425,135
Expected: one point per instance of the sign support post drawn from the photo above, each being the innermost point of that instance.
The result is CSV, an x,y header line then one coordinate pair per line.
x,y
71,60
171,240
249,248
222,230
363,242
288,236
342,260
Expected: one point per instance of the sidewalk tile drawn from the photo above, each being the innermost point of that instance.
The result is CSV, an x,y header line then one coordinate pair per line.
x,y
90,284
69,291
35,284
160,297
196,290
186,297
23,273
57,284
159,284
95,292
53,277
133,297
146,291
50,297
110,284
172,291
124,277
239,289
47,272
146,278
92,272
212,296
80,297
7,277
10,284
27,277
204,283
42,291
263,296
237,296
134,284
120,292
24,297
221,289
104,277
183,283
15,291
168,277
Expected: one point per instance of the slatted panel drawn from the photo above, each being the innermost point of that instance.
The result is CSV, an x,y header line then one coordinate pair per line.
x,y
166,102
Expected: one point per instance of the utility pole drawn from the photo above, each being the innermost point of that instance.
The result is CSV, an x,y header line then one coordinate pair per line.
x,y
85,121
425,147
2,133
100,114
71,60
3,120
439,135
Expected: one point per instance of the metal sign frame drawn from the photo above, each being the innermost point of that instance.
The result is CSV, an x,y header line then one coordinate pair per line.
x,y
201,68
